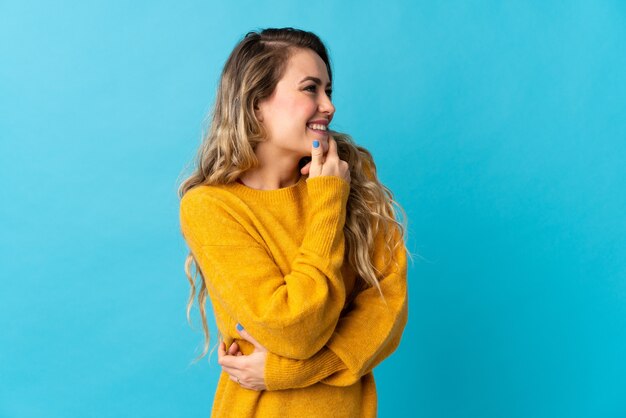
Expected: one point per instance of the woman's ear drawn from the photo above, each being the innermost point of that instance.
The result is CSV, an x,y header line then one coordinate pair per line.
x,y
258,113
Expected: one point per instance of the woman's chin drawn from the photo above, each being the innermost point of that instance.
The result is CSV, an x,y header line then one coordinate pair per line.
x,y
324,149
323,142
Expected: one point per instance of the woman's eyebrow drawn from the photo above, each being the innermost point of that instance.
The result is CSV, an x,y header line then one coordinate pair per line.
x,y
313,79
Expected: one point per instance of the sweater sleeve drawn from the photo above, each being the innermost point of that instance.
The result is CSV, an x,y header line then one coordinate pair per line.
x,y
364,336
292,315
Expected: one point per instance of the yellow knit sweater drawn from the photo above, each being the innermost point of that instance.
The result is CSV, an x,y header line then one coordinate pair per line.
x,y
273,261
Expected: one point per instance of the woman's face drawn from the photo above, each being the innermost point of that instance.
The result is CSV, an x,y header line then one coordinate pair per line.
x,y
301,99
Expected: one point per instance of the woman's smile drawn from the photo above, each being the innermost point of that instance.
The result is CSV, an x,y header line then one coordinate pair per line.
x,y
322,132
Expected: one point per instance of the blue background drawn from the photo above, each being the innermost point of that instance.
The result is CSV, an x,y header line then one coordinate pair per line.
x,y
500,127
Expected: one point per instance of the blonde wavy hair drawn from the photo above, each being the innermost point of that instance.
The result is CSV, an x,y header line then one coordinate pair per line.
x,y
250,75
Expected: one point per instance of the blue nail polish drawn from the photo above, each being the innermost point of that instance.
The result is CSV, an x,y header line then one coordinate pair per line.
x,y
239,327
316,144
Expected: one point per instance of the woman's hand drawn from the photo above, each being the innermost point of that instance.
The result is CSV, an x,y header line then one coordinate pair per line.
x,y
326,165
248,371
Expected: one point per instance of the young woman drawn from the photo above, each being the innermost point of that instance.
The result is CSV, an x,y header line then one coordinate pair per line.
x,y
295,238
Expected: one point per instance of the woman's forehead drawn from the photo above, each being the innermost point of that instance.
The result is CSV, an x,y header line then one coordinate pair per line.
x,y
306,63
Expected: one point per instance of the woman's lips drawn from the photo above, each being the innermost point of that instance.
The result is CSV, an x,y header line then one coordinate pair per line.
x,y
319,132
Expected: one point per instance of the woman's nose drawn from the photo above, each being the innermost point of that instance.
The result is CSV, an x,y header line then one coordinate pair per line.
x,y
326,105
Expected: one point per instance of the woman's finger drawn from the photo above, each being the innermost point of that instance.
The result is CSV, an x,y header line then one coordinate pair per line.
x,y
231,362
233,349
305,170
246,336
232,371
221,351
317,156
242,382
332,155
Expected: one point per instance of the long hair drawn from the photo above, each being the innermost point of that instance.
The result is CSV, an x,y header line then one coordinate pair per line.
x,y
250,75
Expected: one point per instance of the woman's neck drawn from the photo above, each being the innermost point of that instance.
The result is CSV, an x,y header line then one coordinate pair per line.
x,y
277,168
269,180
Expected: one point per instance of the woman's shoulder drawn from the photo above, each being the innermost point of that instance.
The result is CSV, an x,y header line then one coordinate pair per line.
x,y
208,196
208,214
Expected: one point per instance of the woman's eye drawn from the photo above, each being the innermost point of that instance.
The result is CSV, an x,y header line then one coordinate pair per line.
x,y
313,88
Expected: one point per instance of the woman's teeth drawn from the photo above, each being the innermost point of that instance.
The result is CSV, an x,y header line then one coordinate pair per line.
x,y
317,127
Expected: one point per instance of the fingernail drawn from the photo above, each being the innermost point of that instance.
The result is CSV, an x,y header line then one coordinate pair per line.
x,y
316,144
239,327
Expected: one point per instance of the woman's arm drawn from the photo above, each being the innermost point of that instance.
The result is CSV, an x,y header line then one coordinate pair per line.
x,y
363,338
292,315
